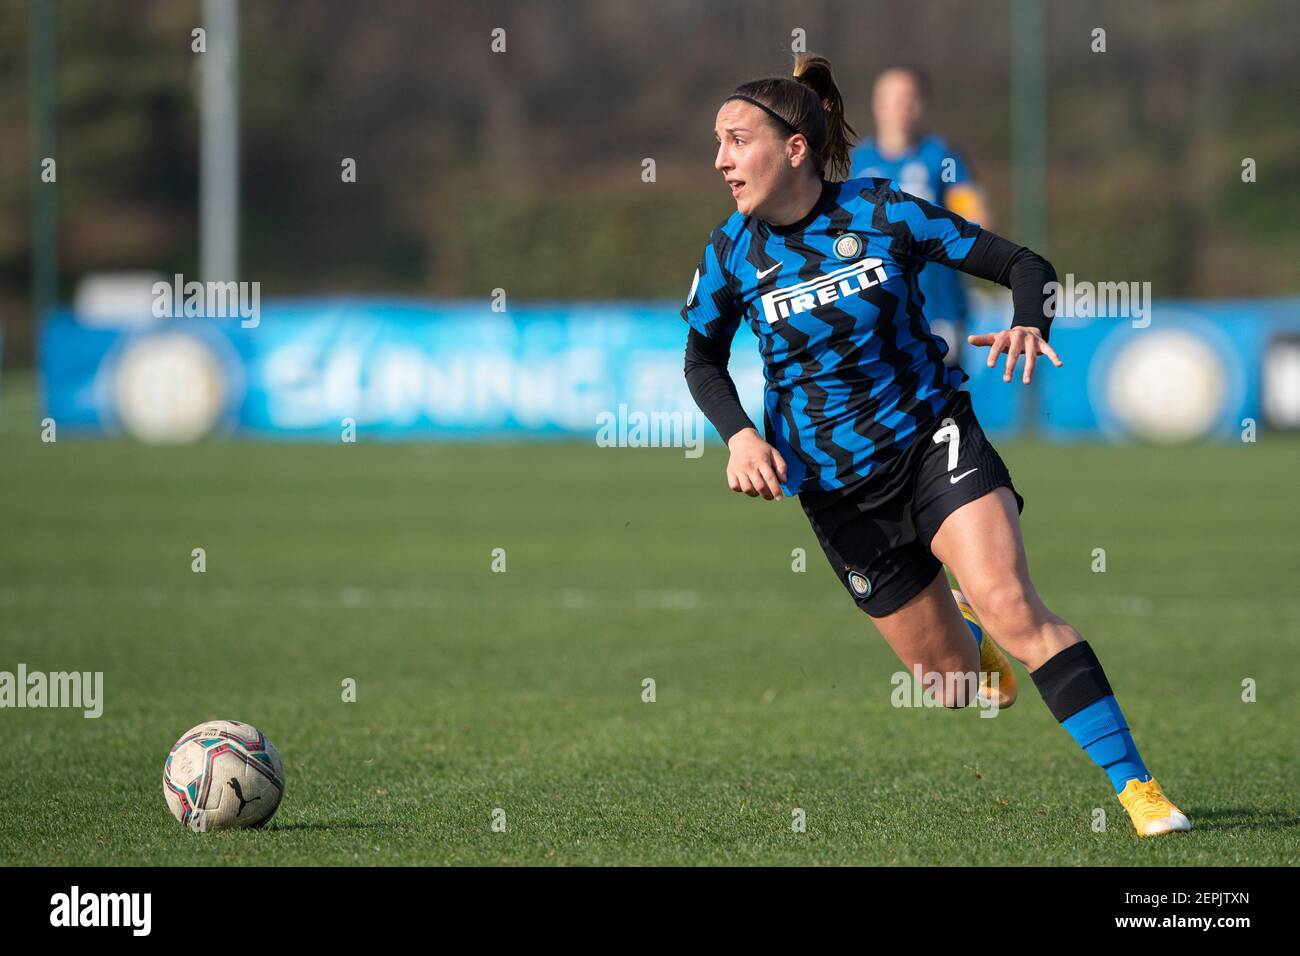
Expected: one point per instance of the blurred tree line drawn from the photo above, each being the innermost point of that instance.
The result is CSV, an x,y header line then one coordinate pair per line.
x,y
523,169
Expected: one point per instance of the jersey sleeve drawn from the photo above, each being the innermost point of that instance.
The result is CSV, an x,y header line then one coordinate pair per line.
x,y
926,232
1029,276
962,195
960,174
711,308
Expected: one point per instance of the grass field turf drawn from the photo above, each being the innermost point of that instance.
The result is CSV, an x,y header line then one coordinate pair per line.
x,y
522,690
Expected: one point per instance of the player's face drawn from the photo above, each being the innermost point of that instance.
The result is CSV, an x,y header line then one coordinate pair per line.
x,y
753,157
896,102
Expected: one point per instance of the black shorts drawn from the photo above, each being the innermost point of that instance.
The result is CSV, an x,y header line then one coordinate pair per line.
x,y
877,535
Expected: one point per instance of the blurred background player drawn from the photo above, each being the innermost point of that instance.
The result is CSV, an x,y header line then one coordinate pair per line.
x,y
925,165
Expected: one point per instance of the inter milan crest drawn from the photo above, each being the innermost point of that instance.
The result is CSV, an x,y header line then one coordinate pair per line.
x,y
859,584
848,246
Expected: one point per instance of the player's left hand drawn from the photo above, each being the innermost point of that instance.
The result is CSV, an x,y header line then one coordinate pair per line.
x,y
1020,339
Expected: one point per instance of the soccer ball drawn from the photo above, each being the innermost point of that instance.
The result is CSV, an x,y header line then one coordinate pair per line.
x,y
223,775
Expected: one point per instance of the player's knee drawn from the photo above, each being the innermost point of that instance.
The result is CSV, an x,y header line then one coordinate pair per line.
x,y
1008,610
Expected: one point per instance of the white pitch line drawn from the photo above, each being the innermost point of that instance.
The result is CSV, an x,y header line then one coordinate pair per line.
x,y
584,599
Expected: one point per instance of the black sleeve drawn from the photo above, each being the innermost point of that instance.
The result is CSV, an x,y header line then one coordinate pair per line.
x,y
1021,270
711,386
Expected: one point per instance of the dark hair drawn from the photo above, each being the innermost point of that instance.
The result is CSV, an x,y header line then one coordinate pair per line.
x,y
809,103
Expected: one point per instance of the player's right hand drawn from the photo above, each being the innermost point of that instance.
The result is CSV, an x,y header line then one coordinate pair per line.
x,y
756,468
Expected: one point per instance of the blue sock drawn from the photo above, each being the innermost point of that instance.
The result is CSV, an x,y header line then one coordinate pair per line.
x,y
1102,732
1076,691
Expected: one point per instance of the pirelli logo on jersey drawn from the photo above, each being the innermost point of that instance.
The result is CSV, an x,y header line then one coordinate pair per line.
x,y
806,296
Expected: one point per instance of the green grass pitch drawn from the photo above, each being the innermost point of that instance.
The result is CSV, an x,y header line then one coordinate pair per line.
x,y
523,690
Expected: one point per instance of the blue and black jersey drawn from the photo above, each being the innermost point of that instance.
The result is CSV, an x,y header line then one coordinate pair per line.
x,y
852,370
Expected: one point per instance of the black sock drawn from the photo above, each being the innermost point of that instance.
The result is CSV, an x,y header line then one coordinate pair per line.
x,y
1070,680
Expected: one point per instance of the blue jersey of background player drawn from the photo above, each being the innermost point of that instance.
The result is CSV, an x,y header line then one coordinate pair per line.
x,y
926,166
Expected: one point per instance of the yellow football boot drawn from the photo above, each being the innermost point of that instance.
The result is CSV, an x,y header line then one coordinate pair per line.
x,y
992,661
1150,810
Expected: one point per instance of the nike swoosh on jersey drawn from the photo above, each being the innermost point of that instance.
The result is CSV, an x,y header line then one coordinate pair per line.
x,y
767,272
956,478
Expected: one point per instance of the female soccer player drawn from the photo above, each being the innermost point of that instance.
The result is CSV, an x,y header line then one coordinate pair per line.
x,y
864,422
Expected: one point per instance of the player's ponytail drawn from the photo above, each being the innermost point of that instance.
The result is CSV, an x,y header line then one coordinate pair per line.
x,y
814,72
809,103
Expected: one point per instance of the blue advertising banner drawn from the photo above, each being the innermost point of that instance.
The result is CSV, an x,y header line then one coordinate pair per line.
x,y
1184,371
398,369
395,369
